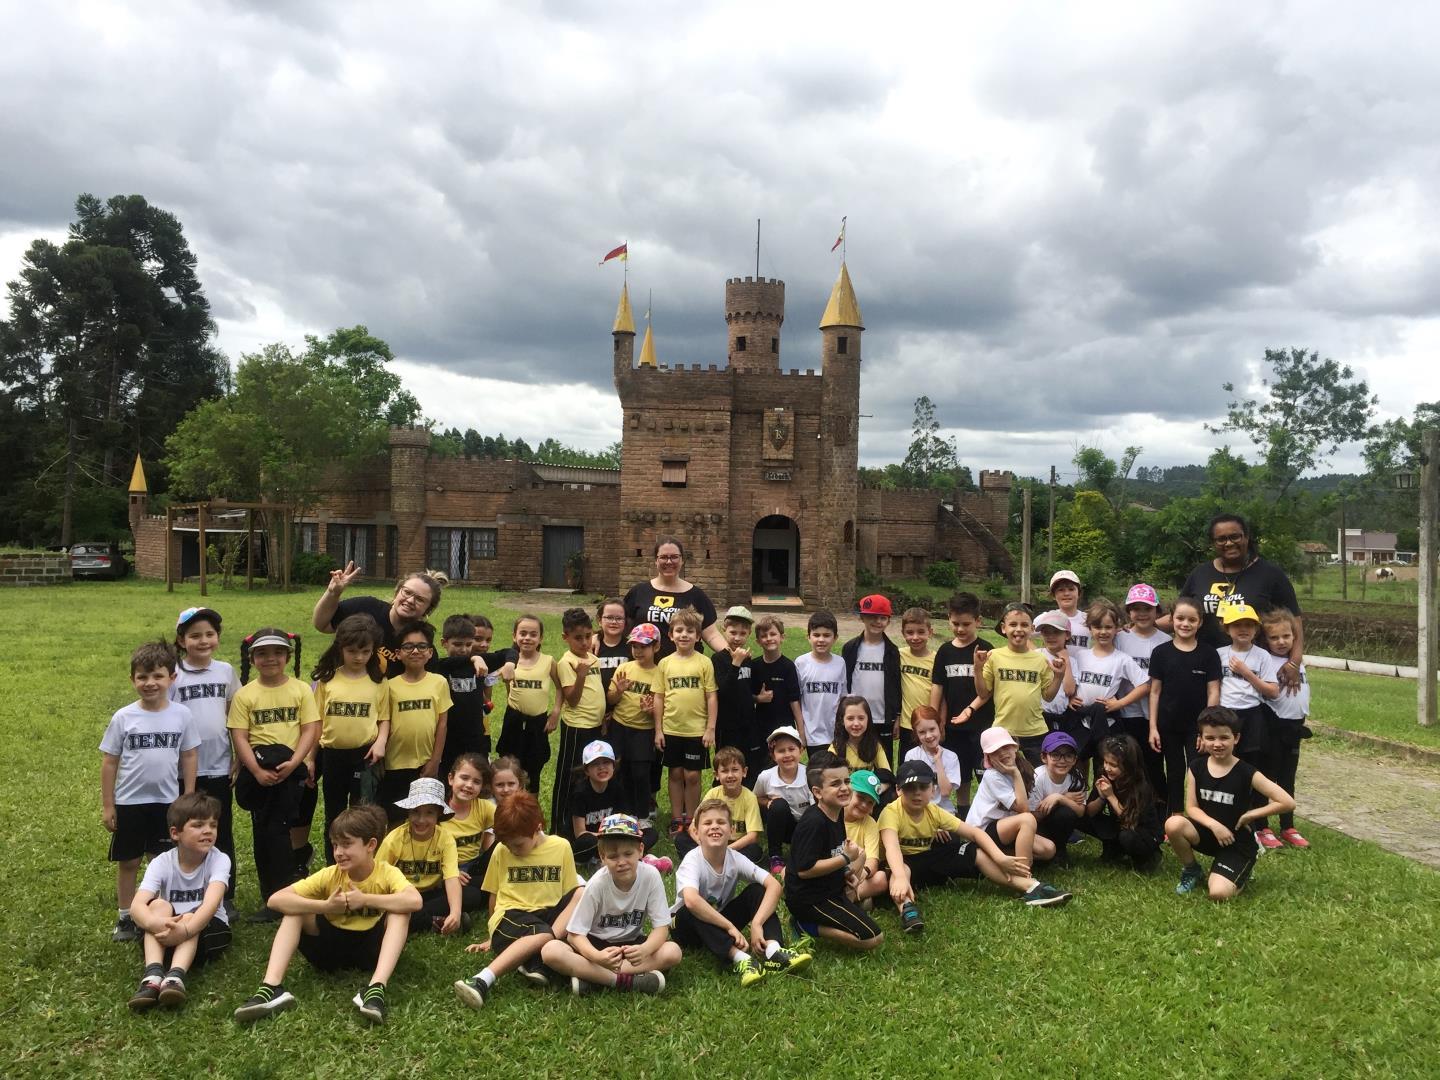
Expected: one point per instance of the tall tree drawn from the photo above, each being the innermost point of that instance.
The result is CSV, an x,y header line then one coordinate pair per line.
x,y
931,461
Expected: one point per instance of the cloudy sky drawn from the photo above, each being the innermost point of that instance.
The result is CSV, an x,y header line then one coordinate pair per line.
x,y
1068,224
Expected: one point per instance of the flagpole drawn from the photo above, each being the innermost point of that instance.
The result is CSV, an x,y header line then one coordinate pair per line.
x,y
757,249
844,241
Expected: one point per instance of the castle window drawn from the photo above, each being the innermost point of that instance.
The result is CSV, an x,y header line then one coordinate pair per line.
x,y
775,345
672,473
842,345
740,343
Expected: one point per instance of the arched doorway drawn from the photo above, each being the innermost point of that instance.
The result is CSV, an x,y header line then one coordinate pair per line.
x,y
775,559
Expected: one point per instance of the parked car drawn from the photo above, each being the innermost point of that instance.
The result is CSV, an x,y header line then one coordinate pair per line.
x,y
98,560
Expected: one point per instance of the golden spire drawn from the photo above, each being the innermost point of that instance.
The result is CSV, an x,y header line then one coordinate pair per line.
x,y
137,479
647,349
843,309
624,321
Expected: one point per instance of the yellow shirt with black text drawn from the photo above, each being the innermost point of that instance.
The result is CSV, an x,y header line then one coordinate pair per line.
x,y
628,711
916,837
685,680
384,880
915,673
744,811
1018,681
532,882
350,710
425,863
415,711
589,711
469,832
529,691
864,834
273,715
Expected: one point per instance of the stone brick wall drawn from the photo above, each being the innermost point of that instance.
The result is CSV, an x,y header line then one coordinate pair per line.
x,y
149,533
35,569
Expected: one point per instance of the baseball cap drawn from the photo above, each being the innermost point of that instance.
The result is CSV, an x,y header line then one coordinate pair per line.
x,y
993,738
1056,620
786,732
645,633
190,614
1061,576
1234,613
595,751
1057,739
866,783
619,825
426,791
271,639
916,772
875,604
1142,594
741,612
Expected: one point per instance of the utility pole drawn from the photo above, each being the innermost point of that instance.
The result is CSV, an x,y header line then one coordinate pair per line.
x,y
1425,620
1050,530
1344,555
1025,549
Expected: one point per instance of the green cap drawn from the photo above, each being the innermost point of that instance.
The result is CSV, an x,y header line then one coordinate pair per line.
x,y
866,783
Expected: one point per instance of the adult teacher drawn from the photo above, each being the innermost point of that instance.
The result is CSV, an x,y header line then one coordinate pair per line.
x,y
416,596
657,600
1238,575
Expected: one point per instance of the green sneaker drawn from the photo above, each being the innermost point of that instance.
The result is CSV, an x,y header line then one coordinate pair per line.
x,y
749,971
1043,895
371,1003
786,962
1190,879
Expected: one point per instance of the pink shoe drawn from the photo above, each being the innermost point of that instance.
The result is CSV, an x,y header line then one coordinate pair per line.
x,y
1268,840
659,862
1292,837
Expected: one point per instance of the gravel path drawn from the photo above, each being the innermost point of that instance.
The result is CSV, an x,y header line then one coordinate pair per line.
x,y
1374,797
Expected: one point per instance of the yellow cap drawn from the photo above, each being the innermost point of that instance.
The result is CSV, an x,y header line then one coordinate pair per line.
x,y
843,309
1233,613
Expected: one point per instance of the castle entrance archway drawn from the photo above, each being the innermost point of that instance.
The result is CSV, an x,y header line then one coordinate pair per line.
x,y
775,558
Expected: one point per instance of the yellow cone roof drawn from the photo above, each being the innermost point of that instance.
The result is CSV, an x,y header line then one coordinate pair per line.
x,y
647,349
137,479
843,309
624,320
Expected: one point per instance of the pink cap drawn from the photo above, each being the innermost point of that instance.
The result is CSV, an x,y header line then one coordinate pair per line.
x,y
993,738
1142,594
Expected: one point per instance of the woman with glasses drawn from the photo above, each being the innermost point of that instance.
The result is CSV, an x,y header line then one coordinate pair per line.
x,y
656,600
416,595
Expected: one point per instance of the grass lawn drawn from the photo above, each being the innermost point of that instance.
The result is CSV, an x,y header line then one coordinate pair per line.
x,y
1329,965
1375,704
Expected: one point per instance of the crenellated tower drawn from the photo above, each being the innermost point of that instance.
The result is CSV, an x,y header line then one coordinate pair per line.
x,y
754,311
841,327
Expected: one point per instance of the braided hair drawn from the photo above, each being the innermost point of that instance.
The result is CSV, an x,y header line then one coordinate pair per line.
x,y
267,631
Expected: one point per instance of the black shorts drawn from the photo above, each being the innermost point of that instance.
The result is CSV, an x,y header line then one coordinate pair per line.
x,y
1234,862
334,949
140,829
213,940
633,744
518,923
686,752
944,862
839,912
601,943
992,830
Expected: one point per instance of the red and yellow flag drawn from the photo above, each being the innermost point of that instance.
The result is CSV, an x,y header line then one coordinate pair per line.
x,y
622,252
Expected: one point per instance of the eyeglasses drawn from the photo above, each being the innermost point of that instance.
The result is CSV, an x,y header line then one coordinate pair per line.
x,y
402,593
415,647
1231,538
667,558
612,618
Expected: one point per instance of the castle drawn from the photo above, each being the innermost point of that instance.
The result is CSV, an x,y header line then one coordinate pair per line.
x,y
753,467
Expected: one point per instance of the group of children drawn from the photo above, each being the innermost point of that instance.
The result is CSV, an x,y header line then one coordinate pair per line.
x,y
1129,736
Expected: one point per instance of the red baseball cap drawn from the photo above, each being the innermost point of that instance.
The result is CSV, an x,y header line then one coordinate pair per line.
x,y
875,604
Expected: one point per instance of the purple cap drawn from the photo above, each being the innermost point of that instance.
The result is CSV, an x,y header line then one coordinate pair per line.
x,y
1057,739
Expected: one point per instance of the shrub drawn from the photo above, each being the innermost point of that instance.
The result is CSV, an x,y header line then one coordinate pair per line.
x,y
943,574
996,587
865,579
311,568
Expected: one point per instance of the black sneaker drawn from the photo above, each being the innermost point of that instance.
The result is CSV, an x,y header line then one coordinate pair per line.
x,y
786,962
267,1001
172,992
472,991
911,921
535,973
304,856
125,929
264,915
1043,895
147,996
648,982
371,1003
579,987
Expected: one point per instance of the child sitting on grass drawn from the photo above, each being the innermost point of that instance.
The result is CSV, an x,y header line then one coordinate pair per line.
x,y
869,881
469,825
1001,807
783,794
179,905
1057,794
352,915
606,944
1122,811
744,807
427,856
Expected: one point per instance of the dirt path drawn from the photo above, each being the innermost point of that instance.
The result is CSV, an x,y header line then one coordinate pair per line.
x,y
1374,797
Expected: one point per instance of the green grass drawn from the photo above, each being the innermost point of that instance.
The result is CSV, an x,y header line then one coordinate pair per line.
x,y
1374,704
1328,966
1325,584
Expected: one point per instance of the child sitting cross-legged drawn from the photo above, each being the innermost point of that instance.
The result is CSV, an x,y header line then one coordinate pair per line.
x,y
869,881
355,914
606,944
428,857
744,808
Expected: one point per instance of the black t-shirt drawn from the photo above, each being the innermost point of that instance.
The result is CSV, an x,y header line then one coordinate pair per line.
x,y
594,806
1184,683
1149,822
955,670
378,610
644,603
735,688
1226,797
784,682
1262,585
611,657
465,722
816,837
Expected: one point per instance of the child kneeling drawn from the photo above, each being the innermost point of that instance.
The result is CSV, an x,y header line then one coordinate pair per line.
x,y
352,915
606,944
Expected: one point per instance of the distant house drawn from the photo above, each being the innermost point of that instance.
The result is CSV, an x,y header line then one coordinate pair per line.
x,y
1367,547
1315,551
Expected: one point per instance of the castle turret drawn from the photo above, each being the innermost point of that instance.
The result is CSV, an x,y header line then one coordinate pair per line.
x,y
409,451
624,332
754,310
647,349
139,494
840,331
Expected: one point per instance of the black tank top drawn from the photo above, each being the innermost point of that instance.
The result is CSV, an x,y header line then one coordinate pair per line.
x,y
1223,798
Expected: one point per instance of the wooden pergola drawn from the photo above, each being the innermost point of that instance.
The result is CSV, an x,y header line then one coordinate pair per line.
x,y
250,508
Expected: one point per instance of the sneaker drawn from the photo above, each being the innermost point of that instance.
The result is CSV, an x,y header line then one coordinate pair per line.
x,y
578,986
125,929
1268,840
304,856
749,971
659,862
1292,837
1043,895
802,941
264,915
471,991
535,973
786,962
650,982
371,1003
777,866
1078,837
1190,879
675,828
911,921
146,996
172,992
264,1002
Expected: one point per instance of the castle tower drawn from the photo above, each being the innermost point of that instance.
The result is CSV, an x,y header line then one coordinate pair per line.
x,y
624,332
647,349
754,310
409,451
139,494
841,328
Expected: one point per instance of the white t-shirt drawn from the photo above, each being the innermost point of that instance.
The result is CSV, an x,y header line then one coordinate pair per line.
x,y
1235,690
1079,630
1045,787
1139,649
206,692
771,785
612,915
186,892
717,889
1100,677
148,745
1290,706
1059,703
868,680
822,685
949,762
994,799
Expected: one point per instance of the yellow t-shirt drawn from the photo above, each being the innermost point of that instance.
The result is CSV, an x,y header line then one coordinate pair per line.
x,y
384,880
865,834
273,715
855,761
415,711
915,674
425,863
628,710
685,680
350,710
590,709
529,691
1018,681
744,811
469,832
916,836
536,881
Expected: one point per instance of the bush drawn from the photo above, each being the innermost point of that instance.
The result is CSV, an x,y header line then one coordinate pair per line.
x,y
943,574
996,587
311,568
865,579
